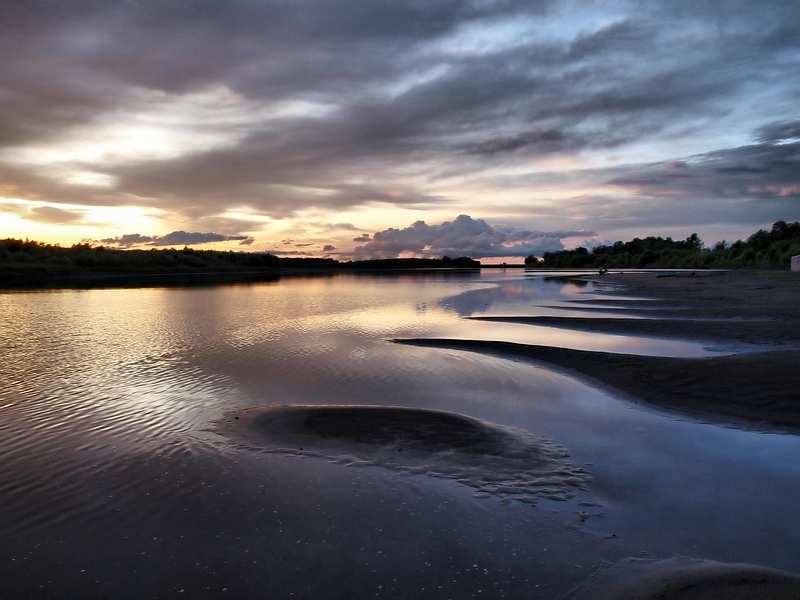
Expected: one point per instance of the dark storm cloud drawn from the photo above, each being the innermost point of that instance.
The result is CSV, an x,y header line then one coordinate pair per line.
x,y
464,236
50,215
128,240
401,94
65,61
748,187
465,112
276,181
175,238
552,139
768,170
780,133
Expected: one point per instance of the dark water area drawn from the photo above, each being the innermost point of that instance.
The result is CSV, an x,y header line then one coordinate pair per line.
x,y
117,478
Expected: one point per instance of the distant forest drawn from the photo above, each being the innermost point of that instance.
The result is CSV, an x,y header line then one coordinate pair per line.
x,y
27,261
763,250
83,257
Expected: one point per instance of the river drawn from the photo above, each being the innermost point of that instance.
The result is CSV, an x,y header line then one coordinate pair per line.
x,y
117,480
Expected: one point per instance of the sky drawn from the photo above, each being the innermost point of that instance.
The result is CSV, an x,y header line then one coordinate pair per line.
x,y
353,129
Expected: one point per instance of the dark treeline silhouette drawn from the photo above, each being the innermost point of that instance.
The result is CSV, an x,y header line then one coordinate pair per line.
x,y
308,263
763,250
31,262
462,262
84,258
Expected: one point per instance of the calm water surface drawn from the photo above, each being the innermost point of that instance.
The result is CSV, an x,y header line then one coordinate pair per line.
x,y
115,483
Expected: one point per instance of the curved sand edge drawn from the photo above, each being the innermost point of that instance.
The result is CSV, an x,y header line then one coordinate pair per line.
x,y
495,460
754,390
688,579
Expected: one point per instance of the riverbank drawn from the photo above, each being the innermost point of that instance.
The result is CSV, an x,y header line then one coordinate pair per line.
x,y
756,390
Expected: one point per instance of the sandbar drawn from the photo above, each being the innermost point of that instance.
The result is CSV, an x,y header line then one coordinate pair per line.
x,y
755,390
495,460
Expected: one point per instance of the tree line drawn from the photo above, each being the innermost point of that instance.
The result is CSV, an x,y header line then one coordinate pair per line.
x,y
83,257
24,261
764,249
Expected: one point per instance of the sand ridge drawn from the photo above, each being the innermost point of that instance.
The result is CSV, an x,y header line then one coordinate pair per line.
x,y
758,390
682,578
494,459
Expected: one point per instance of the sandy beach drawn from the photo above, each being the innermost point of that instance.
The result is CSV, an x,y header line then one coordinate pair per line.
x,y
756,390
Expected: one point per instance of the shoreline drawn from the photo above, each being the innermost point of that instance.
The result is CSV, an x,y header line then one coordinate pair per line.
x,y
752,390
13,280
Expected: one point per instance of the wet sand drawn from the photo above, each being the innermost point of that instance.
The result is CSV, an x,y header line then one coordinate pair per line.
x,y
688,579
497,460
757,390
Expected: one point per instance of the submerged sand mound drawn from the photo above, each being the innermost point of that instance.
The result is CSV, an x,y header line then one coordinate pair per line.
x,y
492,458
689,579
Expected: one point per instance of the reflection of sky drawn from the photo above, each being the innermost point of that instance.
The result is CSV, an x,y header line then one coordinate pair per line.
x,y
519,296
701,487
514,294
582,340
551,297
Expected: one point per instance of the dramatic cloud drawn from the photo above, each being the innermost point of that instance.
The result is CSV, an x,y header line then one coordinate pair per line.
x,y
176,238
51,214
266,116
42,214
464,236
129,240
756,181
770,169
